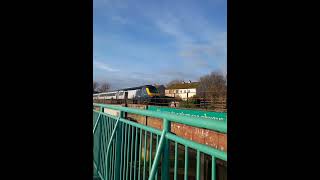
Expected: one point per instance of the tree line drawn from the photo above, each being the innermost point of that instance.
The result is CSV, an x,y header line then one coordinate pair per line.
x,y
101,87
213,85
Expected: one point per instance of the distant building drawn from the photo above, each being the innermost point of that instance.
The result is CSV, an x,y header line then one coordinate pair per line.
x,y
182,90
161,89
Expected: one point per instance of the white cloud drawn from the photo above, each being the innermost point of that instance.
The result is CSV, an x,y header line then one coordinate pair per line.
x,y
104,66
110,4
196,40
172,26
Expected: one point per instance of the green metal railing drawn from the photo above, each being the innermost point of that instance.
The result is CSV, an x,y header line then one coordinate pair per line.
x,y
125,149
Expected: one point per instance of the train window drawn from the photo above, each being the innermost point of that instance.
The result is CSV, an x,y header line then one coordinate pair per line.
x,y
153,89
177,91
185,91
121,93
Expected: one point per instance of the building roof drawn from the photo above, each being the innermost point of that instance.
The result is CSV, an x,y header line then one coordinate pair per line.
x,y
158,86
184,86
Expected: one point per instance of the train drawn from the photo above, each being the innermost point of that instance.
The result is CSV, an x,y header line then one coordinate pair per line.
x,y
146,94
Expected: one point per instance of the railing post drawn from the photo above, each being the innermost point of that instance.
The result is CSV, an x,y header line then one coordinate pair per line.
x,y
118,147
166,150
101,109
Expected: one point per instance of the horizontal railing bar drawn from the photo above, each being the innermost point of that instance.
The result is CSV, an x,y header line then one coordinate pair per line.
x,y
203,148
215,125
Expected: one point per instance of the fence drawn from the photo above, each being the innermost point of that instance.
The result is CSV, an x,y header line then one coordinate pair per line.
x,y
128,150
218,104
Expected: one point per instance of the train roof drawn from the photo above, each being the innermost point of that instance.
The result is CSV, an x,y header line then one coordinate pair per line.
x,y
125,89
106,92
132,88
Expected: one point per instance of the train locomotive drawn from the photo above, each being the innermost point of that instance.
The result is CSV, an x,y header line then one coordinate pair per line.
x,y
146,94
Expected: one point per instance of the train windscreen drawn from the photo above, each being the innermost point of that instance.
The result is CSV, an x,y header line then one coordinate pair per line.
x,y
153,89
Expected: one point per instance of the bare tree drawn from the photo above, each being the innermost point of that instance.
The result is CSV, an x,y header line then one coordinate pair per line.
x,y
212,86
176,81
95,86
104,87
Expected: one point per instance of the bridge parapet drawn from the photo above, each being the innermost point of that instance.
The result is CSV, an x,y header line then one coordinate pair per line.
x,y
123,148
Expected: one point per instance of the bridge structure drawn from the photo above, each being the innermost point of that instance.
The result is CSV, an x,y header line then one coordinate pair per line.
x,y
124,149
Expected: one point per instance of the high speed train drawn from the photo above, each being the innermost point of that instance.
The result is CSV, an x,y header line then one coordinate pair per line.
x,y
141,94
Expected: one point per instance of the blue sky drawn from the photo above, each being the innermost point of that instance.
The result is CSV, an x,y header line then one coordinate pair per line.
x,y
138,42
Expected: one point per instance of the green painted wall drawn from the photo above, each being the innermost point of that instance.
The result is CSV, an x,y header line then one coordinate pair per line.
x,y
196,113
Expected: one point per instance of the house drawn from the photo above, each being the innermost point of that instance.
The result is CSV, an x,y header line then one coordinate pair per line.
x,y
183,90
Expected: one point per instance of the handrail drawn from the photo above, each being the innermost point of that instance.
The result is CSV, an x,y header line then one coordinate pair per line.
x,y
204,148
162,148
220,126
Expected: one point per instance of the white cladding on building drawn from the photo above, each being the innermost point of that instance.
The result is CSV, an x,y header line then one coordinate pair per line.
x,y
183,90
